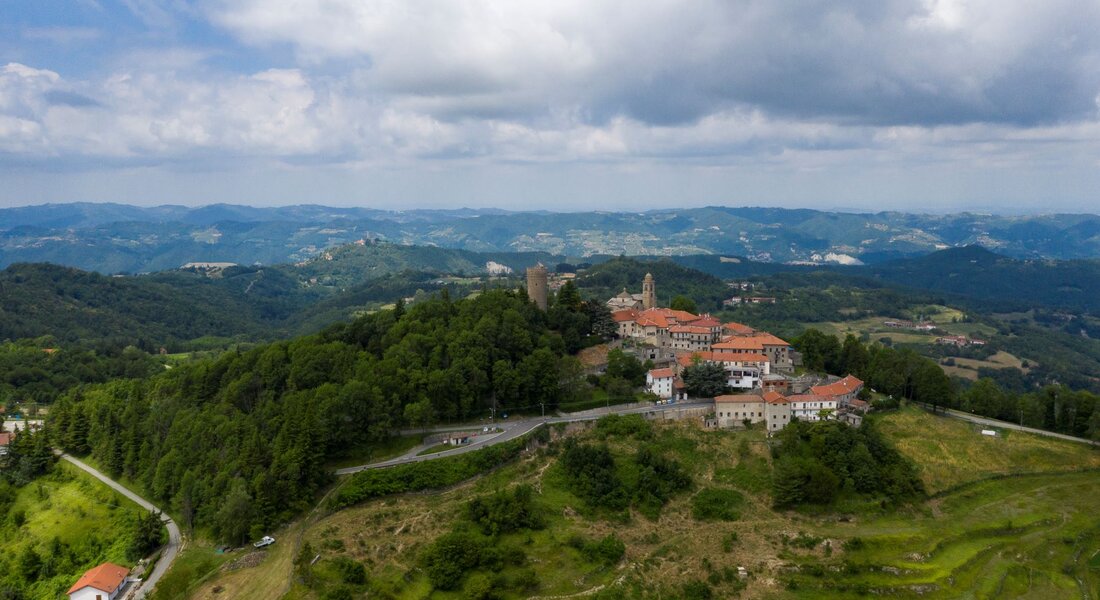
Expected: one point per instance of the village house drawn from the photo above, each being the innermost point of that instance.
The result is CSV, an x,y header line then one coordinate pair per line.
x,y
777,411
661,382
99,583
844,390
6,438
777,350
733,410
958,340
744,370
811,407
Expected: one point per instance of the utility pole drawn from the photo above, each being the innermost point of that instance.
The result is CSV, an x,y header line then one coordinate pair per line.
x,y
543,405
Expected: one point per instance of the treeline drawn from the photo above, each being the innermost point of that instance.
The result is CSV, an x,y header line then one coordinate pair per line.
x,y
239,443
149,311
40,370
819,462
902,373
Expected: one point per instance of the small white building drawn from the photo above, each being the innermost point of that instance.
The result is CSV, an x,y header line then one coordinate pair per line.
x,y
660,382
100,583
810,407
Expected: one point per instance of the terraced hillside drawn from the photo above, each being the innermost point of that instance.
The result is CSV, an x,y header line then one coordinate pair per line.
x,y
1010,517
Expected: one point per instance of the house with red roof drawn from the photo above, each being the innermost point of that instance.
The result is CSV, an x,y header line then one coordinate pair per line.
x,y
744,369
811,407
843,391
777,411
661,382
777,350
732,410
100,583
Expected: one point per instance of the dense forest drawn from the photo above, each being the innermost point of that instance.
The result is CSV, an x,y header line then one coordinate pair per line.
x,y
149,311
239,443
39,371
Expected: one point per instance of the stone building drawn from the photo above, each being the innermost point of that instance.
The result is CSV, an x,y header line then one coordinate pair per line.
x,y
537,286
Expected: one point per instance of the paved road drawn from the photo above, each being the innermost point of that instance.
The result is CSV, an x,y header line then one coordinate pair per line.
x,y
512,430
965,416
170,550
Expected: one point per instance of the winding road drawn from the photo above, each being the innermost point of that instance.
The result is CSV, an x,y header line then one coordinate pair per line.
x,y
170,550
514,429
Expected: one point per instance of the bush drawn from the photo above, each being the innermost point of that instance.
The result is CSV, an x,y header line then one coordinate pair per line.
x,y
717,504
350,571
697,590
624,425
449,558
505,511
608,551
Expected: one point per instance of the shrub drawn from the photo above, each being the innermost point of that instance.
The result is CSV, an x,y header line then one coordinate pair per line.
x,y
624,425
697,590
449,558
350,571
505,511
717,504
608,551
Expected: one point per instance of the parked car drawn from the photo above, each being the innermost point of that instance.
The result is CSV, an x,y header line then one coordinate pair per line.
x,y
267,540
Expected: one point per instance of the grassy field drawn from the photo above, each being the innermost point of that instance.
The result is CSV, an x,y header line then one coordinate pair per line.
x,y
949,452
87,520
968,367
1009,519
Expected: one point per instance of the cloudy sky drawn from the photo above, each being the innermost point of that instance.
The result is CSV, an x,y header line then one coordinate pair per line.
x,y
930,105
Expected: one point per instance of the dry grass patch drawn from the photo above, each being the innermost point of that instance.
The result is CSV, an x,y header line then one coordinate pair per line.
x,y
948,451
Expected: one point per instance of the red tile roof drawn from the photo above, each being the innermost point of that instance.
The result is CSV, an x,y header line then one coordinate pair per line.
x,y
809,398
662,373
845,386
107,577
775,398
739,398
738,328
707,321
627,314
687,358
693,328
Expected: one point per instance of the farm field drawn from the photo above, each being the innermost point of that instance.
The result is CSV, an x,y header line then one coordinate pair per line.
x,y
968,367
873,326
1009,517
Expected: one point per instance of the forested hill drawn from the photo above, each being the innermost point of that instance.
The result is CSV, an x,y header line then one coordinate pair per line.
x,y
978,273
73,305
238,444
250,302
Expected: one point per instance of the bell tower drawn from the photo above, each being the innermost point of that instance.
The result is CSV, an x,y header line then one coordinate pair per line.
x,y
649,292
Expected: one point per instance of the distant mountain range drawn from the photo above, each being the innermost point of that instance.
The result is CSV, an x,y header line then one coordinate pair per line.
x,y
117,238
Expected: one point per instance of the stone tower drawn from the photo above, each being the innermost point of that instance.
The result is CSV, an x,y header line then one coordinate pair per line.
x,y
536,285
649,292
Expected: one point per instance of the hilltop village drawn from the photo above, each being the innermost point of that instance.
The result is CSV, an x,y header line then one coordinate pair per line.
x,y
761,371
